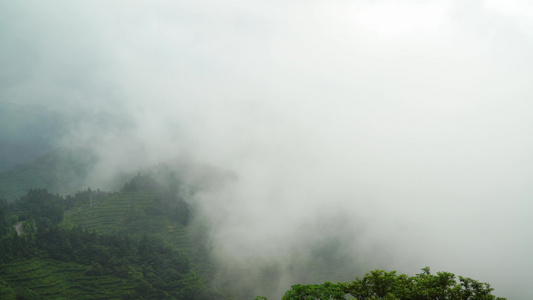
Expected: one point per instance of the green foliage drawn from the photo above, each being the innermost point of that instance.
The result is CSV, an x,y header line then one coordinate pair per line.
x,y
42,207
147,262
327,290
141,182
385,285
5,227
127,245
52,279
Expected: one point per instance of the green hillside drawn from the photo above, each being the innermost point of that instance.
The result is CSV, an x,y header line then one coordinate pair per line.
x,y
53,279
136,211
133,244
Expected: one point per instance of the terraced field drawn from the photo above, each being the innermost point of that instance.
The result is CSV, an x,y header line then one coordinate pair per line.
x,y
126,212
111,215
58,280
144,246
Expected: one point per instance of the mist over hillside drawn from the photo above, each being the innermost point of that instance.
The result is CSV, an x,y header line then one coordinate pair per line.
x,y
27,132
63,171
399,133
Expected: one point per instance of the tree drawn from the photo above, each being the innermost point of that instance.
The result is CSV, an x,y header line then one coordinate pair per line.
x,y
327,290
5,226
383,285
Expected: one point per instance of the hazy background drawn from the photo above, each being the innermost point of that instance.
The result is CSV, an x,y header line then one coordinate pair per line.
x,y
403,129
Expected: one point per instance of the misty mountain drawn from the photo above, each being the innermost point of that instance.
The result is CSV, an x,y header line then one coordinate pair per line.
x,y
148,241
27,132
60,171
355,134
160,201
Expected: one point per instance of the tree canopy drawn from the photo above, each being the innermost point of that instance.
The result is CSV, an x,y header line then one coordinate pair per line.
x,y
383,285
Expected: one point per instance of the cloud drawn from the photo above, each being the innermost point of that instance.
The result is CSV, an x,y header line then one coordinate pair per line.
x,y
412,118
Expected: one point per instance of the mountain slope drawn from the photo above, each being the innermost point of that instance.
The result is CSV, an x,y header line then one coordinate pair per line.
x,y
134,244
60,171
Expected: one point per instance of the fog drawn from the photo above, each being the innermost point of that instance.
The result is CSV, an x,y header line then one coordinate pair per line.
x,y
403,129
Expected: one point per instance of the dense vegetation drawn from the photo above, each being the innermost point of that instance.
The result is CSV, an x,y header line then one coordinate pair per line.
x,y
384,285
127,245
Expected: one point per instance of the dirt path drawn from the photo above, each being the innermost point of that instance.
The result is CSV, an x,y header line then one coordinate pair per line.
x,y
18,228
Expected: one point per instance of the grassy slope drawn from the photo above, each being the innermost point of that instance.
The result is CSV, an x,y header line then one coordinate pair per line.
x,y
51,279
111,215
122,213
125,213
67,280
